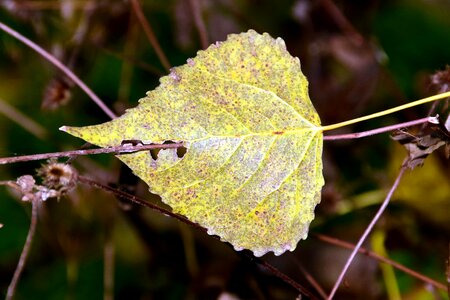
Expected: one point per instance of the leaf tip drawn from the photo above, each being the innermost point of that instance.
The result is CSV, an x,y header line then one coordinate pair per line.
x,y
67,129
74,131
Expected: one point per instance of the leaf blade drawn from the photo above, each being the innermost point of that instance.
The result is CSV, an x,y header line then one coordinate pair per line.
x,y
252,170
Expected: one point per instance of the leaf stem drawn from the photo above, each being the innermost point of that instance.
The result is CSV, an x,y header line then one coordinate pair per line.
x,y
60,66
386,112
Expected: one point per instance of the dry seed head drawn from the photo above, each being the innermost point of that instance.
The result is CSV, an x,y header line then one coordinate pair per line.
x,y
58,176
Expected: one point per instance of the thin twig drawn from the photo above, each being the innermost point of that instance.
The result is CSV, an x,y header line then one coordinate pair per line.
x,y
53,5
341,21
149,33
278,274
123,149
309,277
142,202
129,49
314,283
25,251
358,135
132,60
447,272
108,264
199,24
22,120
286,279
380,258
60,66
138,200
366,233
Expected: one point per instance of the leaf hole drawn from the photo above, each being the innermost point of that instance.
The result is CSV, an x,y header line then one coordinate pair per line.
x,y
181,151
154,153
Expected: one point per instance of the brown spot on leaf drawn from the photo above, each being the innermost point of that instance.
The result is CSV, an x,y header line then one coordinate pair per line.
x,y
278,132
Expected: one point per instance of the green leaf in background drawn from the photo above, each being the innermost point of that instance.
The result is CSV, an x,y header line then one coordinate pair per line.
x,y
252,173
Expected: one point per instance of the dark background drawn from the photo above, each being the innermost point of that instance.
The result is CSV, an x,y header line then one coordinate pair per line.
x,y
359,56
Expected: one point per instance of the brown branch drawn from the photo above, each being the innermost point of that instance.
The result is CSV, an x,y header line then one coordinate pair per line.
x,y
199,24
108,264
53,5
129,50
60,66
247,254
341,21
143,202
447,272
380,258
312,281
366,233
132,60
137,200
137,9
26,250
22,120
123,149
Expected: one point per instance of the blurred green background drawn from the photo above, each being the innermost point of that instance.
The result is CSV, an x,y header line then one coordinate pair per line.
x,y
359,56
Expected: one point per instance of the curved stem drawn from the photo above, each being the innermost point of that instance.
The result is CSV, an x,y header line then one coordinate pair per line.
x,y
60,66
25,251
366,233
386,112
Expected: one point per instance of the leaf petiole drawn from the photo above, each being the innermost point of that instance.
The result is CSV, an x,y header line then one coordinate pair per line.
x,y
385,112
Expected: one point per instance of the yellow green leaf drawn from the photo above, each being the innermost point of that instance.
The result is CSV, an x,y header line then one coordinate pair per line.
x,y
252,172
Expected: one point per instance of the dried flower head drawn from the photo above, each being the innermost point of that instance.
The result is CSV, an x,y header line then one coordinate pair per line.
x,y
58,176
57,93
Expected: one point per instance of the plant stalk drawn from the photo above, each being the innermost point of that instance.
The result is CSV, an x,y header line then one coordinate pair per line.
x,y
386,112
